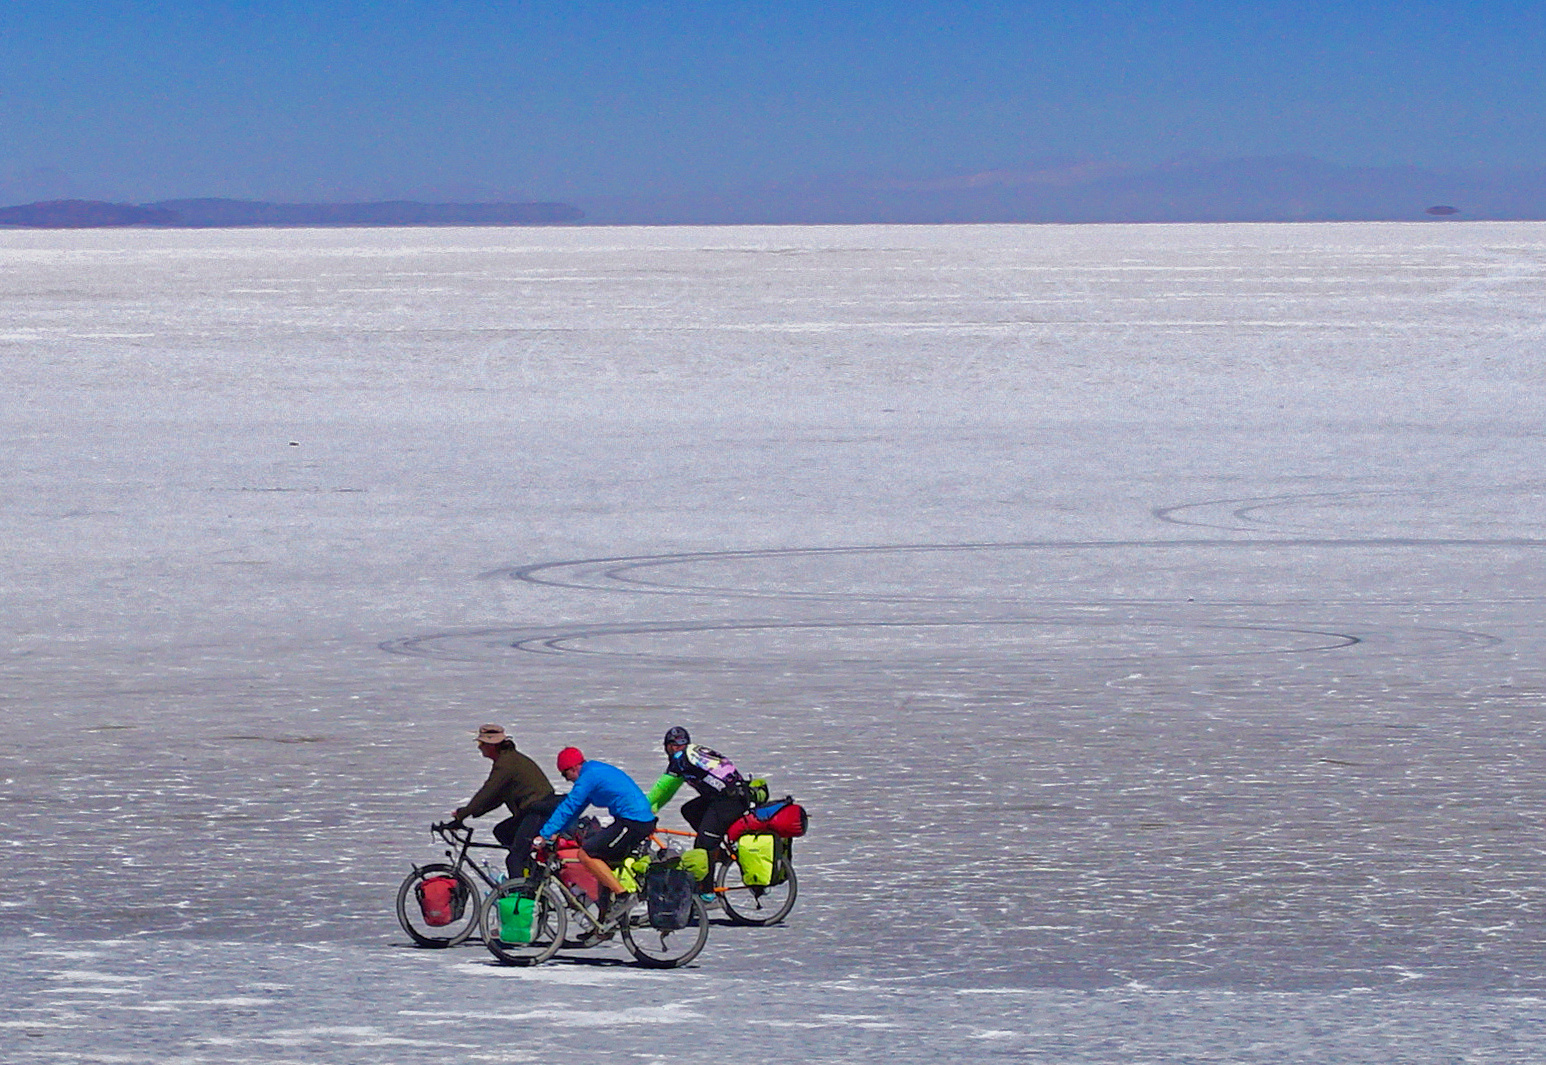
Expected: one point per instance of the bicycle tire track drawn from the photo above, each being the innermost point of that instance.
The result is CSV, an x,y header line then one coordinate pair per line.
x,y
1241,514
587,642
625,574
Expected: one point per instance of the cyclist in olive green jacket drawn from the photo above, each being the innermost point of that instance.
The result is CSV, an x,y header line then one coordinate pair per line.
x,y
522,786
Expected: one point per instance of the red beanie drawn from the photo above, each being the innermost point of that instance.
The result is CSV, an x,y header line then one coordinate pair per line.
x,y
569,758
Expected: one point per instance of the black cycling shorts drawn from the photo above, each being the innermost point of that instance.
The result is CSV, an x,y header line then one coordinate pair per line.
x,y
613,842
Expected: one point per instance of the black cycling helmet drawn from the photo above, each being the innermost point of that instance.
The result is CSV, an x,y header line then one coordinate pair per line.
x,y
676,734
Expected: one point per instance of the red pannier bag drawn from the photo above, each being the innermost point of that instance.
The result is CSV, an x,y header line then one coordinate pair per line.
x,y
437,900
581,880
786,819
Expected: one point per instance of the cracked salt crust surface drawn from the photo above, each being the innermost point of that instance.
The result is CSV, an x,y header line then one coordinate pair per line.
x,y
1149,616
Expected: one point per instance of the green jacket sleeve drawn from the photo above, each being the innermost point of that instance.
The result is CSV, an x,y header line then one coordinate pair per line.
x,y
663,789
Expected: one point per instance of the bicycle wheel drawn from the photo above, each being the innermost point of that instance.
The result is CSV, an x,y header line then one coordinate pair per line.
x,y
464,907
661,949
548,924
763,905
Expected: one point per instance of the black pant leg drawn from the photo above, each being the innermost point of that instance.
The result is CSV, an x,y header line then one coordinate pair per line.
x,y
718,815
693,810
520,833
504,832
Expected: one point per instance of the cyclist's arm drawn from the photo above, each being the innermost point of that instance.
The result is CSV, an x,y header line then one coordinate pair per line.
x,y
663,790
488,796
568,810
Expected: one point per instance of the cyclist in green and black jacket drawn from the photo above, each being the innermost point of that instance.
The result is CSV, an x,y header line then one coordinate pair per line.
x,y
723,794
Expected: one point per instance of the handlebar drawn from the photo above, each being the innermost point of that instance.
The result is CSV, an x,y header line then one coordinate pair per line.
x,y
547,851
460,834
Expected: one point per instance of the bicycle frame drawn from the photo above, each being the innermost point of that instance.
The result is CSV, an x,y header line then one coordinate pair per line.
x,y
674,941
550,867
463,838
725,853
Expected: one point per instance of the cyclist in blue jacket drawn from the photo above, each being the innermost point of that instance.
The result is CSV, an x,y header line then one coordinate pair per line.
x,y
600,784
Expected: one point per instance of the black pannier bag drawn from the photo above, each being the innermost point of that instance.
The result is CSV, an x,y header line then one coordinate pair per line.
x,y
783,854
668,892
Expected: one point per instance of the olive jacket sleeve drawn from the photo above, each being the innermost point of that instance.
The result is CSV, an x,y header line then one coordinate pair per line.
x,y
515,780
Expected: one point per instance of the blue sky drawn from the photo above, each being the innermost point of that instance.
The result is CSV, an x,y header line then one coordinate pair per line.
x,y
472,98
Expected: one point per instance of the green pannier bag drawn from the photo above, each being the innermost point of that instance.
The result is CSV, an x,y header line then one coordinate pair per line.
x,y
696,864
754,853
515,918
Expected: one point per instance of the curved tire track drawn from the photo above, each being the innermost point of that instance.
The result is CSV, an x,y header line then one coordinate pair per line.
x,y
638,574
1243,514
587,642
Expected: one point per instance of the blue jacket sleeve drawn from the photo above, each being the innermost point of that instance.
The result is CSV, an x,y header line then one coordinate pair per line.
x,y
577,799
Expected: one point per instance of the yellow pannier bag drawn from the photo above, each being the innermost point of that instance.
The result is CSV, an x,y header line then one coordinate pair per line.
x,y
696,864
754,854
629,870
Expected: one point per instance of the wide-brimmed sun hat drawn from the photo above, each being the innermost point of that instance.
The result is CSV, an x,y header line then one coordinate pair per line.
x,y
494,734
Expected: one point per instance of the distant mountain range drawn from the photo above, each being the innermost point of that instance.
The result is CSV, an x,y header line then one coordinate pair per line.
x,y
1279,189
210,213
